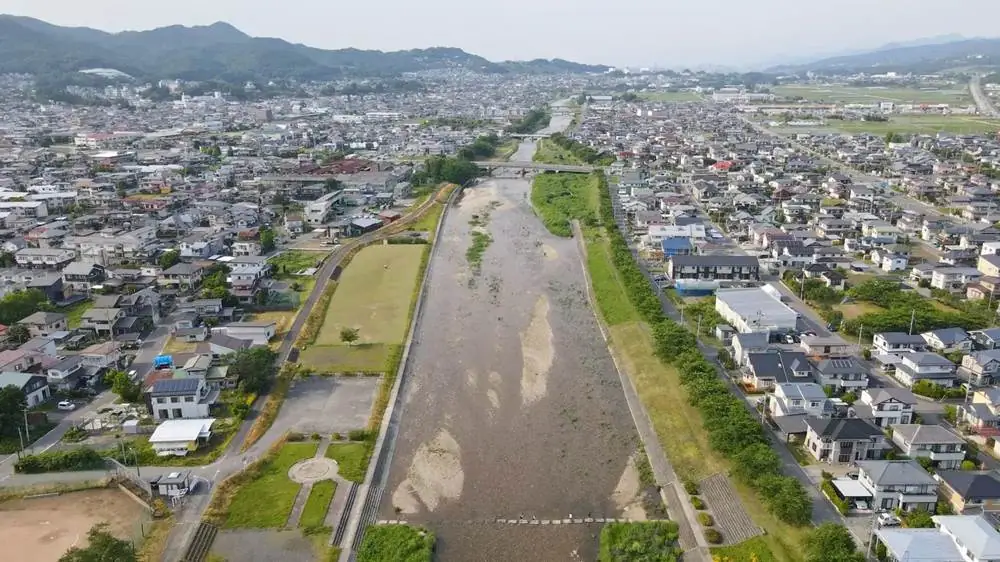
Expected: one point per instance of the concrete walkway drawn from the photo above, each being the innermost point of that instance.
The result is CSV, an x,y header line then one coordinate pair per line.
x,y
691,535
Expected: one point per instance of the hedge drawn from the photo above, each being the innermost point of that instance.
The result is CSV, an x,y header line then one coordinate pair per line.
x,y
83,458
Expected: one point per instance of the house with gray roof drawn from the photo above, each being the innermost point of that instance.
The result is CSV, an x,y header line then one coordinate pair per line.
x,y
844,440
935,442
900,484
884,407
954,538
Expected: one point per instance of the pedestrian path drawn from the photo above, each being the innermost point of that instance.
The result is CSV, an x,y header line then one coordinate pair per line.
x,y
309,472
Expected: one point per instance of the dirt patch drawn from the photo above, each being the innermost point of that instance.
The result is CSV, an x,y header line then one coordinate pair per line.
x,y
549,253
628,493
537,353
435,475
43,529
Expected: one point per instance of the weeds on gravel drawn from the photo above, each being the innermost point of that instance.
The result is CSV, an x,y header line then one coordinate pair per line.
x,y
396,543
474,255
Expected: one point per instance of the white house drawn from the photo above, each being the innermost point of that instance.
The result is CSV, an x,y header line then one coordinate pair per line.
x,y
188,398
178,437
925,366
754,310
35,387
954,538
885,406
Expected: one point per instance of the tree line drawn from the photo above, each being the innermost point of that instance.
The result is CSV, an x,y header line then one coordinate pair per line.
x,y
533,121
581,151
901,307
457,169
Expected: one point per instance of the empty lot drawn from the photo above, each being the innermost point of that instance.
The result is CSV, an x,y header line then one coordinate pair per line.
x,y
43,529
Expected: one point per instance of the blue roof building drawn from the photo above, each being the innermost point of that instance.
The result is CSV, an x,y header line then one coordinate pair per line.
x,y
676,246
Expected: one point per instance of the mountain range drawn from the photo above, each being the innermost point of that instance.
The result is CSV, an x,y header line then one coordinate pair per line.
x,y
222,52
927,55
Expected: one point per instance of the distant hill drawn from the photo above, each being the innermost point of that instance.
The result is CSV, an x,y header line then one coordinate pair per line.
x,y
222,52
921,56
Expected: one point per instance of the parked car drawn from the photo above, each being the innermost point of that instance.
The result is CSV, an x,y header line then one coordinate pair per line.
x,y
66,405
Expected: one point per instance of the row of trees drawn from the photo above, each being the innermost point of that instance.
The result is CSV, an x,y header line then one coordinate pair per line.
x,y
581,151
18,304
483,147
532,121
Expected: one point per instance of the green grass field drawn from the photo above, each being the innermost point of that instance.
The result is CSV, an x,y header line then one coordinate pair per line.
x,y
919,124
669,96
551,153
267,500
317,504
396,543
374,295
74,313
357,358
352,459
851,94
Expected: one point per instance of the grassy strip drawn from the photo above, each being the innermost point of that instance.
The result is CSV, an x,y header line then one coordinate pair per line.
x,y
272,406
155,543
753,550
316,317
396,543
652,540
352,458
474,255
317,505
608,291
266,498
560,198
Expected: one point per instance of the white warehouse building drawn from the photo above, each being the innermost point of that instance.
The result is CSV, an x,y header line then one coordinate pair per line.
x,y
755,310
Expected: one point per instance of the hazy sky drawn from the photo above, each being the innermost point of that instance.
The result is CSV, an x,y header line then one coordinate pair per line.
x,y
670,33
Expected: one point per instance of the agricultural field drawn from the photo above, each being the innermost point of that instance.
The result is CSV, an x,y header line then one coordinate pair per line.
x,y
374,296
287,264
43,529
851,94
669,96
919,124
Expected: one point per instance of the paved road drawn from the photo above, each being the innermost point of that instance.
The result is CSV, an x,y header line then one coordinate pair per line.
x,y
983,102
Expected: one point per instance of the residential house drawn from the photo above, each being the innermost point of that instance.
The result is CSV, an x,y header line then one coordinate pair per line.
x,y
843,374
818,346
180,398
921,365
713,268
899,484
989,265
80,277
844,440
954,538
945,449
183,276
246,248
982,414
750,342
65,374
948,340
44,323
970,489
103,321
102,355
803,399
765,370
884,407
985,339
35,387
898,342
221,345
980,368
676,246
954,279
47,258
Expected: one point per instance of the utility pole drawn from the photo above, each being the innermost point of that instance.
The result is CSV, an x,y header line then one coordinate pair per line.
x,y
861,330
26,434
913,317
